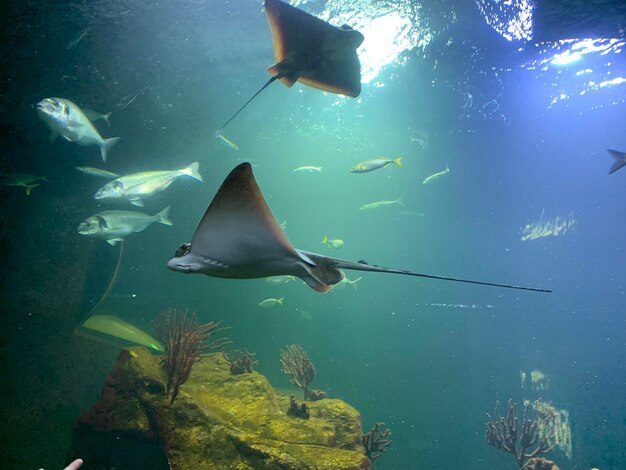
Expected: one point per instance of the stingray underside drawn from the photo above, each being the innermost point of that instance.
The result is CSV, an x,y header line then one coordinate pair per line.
x,y
312,51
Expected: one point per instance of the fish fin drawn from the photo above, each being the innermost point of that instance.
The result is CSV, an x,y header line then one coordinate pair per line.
x,y
399,201
113,241
164,216
73,124
322,276
620,160
137,202
106,118
29,188
398,161
106,146
281,300
192,170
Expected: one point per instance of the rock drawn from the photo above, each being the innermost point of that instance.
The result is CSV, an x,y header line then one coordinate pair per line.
x,y
218,421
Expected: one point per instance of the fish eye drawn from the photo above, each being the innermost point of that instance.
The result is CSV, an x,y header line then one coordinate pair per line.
x,y
183,250
100,222
117,185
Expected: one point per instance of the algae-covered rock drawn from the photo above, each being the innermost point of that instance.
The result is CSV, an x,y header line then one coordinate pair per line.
x,y
219,421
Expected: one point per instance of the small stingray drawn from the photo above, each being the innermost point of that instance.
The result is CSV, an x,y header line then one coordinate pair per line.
x,y
312,52
239,238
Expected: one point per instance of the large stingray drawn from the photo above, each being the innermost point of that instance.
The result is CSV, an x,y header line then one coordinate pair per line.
x,y
238,237
312,52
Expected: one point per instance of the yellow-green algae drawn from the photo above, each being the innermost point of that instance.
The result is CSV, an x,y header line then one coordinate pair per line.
x,y
224,421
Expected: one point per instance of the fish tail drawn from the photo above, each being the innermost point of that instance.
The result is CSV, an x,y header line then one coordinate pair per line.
x,y
29,188
398,161
281,300
620,160
354,283
325,240
106,146
106,118
192,170
164,216
399,201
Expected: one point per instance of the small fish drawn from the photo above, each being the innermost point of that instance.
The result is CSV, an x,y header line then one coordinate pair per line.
x,y
96,116
375,164
347,282
430,178
139,186
279,279
74,42
376,205
267,303
114,226
128,99
308,169
21,179
91,171
620,160
421,140
332,243
65,118
227,141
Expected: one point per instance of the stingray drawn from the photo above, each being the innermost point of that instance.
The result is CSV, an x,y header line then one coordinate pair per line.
x,y
312,52
239,238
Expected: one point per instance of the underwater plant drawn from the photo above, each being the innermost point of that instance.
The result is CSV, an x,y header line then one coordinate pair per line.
x,y
296,364
240,362
524,442
376,441
185,342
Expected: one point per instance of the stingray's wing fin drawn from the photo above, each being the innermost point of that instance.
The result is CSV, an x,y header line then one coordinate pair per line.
x,y
313,51
238,226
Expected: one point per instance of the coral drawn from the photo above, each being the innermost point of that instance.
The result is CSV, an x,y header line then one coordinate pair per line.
x,y
223,421
538,463
185,342
503,432
376,441
296,364
299,411
240,362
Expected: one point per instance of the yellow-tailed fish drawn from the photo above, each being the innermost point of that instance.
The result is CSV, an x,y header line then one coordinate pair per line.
x,y
279,279
332,243
375,164
227,141
267,303
308,169
376,205
347,282
436,175
118,328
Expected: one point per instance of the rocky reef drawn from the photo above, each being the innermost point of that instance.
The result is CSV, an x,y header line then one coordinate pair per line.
x,y
219,421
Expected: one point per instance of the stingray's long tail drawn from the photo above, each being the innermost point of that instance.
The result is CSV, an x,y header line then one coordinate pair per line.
x,y
363,266
269,82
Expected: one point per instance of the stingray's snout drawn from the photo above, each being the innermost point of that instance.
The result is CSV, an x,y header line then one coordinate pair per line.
x,y
175,265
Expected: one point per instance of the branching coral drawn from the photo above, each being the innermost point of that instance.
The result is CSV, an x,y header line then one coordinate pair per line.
x,y
503,432
376,441
296,364
185,342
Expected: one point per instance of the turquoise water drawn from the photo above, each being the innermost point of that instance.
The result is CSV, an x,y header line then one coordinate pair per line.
x,y
525,142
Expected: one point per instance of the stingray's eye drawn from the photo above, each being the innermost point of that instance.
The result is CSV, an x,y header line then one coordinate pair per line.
x,y
182,250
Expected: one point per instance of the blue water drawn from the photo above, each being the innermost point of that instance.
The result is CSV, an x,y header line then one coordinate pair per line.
x,y
428,358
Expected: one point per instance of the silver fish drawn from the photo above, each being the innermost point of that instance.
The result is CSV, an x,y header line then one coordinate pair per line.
x,y
114,226
65,118
91,171
139,186
375,164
